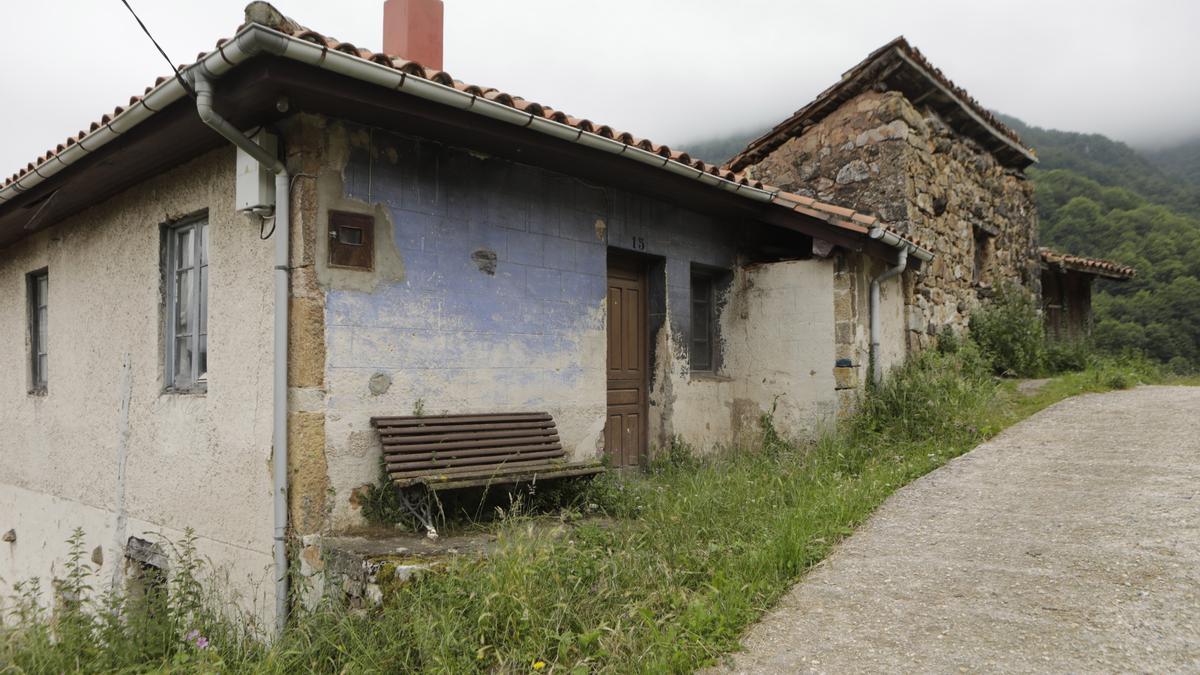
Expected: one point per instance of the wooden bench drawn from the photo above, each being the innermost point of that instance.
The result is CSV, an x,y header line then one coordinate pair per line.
x,y
447,452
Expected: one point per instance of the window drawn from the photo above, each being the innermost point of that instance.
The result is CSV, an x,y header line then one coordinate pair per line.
x,y
703,321
38,284
186,268
983,254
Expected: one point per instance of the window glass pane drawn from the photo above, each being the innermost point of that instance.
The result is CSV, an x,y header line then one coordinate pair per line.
x,y
203,243
38,285
183,362
699,321
183,302
202,356
184,245
204,299
701,343
701,356
40,347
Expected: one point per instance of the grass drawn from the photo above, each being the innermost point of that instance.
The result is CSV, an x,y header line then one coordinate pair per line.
x,y
684,559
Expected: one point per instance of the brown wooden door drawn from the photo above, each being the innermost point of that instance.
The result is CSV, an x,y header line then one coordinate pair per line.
x,y
625,433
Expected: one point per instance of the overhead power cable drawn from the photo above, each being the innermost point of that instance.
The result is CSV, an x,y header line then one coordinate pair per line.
x,y
178,75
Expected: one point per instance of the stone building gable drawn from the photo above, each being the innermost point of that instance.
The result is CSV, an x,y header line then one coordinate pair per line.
x,y
880,154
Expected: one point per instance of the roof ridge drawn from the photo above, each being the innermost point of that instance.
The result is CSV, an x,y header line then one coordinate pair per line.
x,y
758,148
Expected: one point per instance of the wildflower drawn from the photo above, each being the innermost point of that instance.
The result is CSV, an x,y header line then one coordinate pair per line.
x,y
539,664
195,638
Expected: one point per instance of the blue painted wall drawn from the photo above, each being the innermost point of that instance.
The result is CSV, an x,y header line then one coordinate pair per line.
x,y
525,336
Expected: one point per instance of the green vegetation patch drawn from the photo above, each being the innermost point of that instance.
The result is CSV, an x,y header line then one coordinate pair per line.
x,y
682,560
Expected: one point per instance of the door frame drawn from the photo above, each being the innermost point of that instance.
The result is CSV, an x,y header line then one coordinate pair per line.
x,y
640,265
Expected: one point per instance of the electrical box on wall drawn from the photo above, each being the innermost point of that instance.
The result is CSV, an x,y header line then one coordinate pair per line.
x,y
255,187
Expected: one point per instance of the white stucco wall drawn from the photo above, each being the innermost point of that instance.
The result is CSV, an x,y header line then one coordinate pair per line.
x,y
198,461
777,352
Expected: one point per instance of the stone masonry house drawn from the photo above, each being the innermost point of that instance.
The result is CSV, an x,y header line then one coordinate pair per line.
x,y
197,335
896,138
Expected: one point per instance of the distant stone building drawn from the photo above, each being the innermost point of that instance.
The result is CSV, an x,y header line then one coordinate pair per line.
x,y
1067,282
896,138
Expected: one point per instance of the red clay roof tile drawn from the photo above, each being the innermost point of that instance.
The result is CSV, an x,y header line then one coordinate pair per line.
x,y
836,215
1098,266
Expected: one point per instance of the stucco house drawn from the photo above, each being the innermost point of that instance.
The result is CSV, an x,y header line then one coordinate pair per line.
x,y
210,292
391,240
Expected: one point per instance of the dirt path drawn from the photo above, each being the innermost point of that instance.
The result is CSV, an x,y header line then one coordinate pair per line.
x,y
1069,543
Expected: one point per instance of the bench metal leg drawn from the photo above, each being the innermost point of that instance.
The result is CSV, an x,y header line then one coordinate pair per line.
x,y
419,503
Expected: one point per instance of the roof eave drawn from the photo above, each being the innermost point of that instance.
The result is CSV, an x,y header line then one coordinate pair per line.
x,y
254,39
1009,143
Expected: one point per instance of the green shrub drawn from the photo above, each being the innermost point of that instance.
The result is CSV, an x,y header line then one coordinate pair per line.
x,y
382,505
1066,356
948,340
929,394
1009,332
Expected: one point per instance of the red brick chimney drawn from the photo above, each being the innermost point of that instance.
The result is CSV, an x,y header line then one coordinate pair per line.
x,y
412,30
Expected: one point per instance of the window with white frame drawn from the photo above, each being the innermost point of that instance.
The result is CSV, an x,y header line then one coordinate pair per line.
x,y
38,284
186,268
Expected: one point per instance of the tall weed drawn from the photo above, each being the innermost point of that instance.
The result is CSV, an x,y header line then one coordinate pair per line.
x,y
679,562
1010,334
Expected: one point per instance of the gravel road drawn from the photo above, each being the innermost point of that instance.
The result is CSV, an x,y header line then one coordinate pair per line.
x,y
1069,543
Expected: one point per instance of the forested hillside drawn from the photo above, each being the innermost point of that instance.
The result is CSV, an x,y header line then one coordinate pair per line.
x,y
1180,161
1101,198
1114,163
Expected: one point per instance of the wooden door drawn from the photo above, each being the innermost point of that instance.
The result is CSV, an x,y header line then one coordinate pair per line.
x,y
625,433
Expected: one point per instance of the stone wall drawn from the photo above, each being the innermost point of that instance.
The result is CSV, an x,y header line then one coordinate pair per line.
x,y
880,154
852,276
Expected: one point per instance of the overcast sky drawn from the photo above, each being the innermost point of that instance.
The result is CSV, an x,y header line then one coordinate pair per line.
x,y
669,70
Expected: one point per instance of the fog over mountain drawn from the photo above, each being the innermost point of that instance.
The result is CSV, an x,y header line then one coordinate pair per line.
x,y
672,70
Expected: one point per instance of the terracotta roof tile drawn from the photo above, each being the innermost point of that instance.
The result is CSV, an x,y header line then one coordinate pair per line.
x,y
836,215
1098,266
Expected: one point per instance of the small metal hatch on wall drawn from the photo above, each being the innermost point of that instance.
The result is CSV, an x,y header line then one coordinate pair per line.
x,y
351,240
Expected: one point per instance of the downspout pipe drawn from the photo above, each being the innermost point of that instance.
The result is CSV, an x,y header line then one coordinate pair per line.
x,y
282,230
894,270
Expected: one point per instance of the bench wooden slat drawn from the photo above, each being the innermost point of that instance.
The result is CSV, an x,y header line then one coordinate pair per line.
x,y
555,453
459,419
397,457
418,467
400,441
470,448
524,476
481,443
517,461
401,432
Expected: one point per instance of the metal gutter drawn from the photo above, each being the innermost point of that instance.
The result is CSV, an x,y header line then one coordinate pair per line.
x,y
279,392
